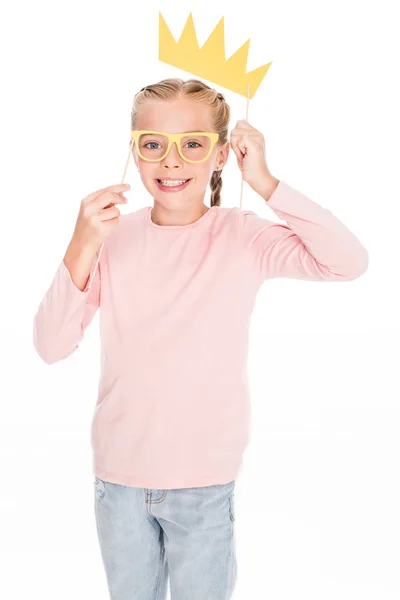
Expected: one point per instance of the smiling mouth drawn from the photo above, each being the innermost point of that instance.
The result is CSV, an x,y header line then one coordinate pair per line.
x,y
172,185
172,182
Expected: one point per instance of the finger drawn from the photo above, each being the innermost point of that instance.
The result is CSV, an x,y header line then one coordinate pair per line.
x,y
118,187
247,141
242,130
238,153
244,124
242,143
123,200
108,213
107,199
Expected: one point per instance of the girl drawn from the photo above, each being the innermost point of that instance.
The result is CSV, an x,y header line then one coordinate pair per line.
x,y
176,286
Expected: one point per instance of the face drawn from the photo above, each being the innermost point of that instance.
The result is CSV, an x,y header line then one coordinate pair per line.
x,y
178,116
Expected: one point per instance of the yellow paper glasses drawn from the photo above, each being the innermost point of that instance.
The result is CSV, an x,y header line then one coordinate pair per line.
x,y
193,146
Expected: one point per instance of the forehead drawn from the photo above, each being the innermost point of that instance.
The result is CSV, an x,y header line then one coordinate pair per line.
x,y
175,116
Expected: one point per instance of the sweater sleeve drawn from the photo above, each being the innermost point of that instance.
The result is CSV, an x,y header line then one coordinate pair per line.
x,y
64,314
314,245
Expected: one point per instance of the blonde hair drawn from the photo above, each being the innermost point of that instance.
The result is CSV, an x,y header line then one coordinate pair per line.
x,y
194,89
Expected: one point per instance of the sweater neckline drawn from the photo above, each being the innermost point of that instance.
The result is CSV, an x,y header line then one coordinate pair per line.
x,y
168,227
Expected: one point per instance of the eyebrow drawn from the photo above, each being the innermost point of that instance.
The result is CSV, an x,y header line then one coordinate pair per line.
x,y
194,130
191,130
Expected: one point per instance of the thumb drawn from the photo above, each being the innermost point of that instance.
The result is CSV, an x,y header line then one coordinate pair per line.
x,y
238,152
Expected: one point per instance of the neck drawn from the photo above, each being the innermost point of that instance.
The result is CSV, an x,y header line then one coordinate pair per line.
x,y
161,215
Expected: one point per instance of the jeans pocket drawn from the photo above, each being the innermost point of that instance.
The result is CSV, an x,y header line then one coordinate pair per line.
x,y
232,506
100,488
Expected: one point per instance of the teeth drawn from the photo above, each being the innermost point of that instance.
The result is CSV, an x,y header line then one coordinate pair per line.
x,y
172,183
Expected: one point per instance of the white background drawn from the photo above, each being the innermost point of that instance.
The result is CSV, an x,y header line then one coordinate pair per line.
x,y
317,501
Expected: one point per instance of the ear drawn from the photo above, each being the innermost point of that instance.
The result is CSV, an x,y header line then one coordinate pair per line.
x,y
223,154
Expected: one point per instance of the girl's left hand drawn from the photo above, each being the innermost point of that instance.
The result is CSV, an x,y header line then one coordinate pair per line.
x,y
249,146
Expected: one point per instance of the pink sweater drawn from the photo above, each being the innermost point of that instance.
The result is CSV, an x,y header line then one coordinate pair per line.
x,y
173,405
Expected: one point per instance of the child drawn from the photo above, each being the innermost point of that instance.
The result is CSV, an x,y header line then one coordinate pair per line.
x,y
176,286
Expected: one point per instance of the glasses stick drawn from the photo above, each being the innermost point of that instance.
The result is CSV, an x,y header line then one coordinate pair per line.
x,y
101,247
241,187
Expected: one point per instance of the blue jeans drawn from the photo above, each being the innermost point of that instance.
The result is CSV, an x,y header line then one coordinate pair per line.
x,y
149,535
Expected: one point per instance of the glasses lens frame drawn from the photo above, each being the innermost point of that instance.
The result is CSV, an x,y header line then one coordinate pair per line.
x,y
174,138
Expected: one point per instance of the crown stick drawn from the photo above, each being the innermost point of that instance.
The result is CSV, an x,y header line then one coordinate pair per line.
x,y
209,62
241,187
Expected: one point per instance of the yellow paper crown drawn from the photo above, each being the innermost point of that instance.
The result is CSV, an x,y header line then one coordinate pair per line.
x,y
209,61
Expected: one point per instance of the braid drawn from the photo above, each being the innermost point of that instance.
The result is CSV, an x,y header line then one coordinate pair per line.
x,y
216,185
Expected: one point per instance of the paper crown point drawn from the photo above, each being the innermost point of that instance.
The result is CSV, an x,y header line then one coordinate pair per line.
x,y
209,61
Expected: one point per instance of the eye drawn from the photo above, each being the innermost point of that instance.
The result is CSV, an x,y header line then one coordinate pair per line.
x,y
147,144
194,143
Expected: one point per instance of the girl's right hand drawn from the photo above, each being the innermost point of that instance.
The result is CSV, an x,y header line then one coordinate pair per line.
x,y
98,215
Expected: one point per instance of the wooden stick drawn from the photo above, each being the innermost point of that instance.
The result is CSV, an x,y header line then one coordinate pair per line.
x,y
101,247
241,187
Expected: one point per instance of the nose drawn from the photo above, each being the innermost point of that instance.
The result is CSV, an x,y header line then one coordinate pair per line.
x,y
173,159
